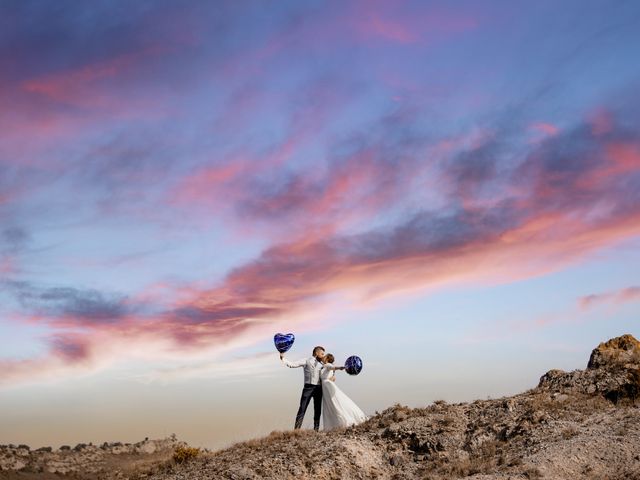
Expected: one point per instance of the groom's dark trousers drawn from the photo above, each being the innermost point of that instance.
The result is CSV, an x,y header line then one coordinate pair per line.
x,y
310,390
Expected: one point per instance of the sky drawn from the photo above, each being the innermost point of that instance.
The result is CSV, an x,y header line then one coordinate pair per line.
x,y
449,190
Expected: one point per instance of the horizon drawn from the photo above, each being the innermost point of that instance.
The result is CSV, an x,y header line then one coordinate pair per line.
x,y
451,193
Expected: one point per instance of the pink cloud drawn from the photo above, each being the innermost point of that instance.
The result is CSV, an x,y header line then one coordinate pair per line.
x,y
546,128
375,25
626,295
7,265
385,21
624,157
601,121
91,86
502,330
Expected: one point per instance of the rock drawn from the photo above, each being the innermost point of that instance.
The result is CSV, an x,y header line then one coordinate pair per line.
x,y
552,376
147,448
538,416
392,430
618,351
613,371
399,416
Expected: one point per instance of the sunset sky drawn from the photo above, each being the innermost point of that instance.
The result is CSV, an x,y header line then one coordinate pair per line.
x,y
450,190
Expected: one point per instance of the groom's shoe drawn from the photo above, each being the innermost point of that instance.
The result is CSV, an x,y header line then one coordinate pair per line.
x,y
316,427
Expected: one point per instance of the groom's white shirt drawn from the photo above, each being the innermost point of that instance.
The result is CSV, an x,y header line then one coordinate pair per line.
x,y
311,366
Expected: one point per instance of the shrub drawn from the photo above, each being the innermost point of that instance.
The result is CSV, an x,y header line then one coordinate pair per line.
x,y
569,432
183,454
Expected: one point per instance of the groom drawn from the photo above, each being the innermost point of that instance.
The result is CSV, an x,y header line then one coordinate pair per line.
x,y
312,386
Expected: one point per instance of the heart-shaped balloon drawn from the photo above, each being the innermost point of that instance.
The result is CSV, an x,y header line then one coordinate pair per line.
x,y
283,341
353,365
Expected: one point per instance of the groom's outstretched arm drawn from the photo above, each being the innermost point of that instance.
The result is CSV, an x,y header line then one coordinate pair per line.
x,y
299,363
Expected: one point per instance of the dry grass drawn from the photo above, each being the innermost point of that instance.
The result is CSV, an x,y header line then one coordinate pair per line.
x,y
184,454
490,458
574,404
532,472
272,439
620,473
569,432
447,421
486,458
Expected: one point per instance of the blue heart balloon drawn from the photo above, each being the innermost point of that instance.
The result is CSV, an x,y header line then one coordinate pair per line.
x,y
283,341
353,365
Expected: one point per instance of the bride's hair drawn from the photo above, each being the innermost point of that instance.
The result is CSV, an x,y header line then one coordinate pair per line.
x,y
329,358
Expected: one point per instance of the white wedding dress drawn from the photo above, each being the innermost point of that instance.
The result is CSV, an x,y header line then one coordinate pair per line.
x,y
338,410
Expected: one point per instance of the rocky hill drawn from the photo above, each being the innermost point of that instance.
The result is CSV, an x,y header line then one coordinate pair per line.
x,y
579,424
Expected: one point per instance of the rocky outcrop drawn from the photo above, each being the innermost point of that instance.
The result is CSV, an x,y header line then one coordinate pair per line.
x,y
613,371
621,352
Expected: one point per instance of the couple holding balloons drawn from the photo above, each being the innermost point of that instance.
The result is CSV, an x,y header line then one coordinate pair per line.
x,y
336,408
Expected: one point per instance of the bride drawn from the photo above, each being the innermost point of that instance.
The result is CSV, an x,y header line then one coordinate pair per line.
x,y
338,410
